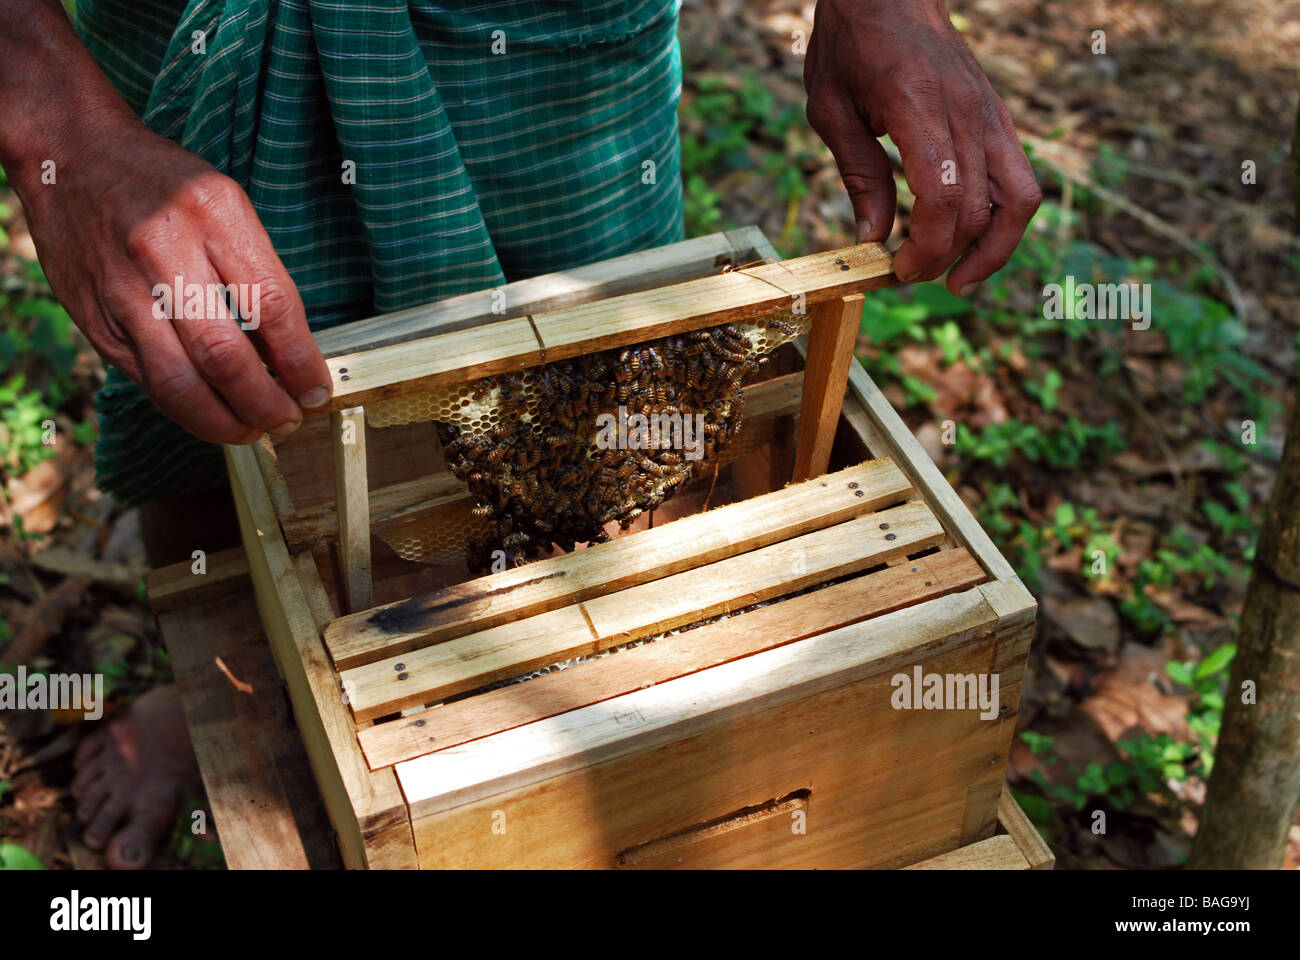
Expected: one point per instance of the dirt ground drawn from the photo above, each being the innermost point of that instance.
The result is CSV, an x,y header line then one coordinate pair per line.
x,y
1141,155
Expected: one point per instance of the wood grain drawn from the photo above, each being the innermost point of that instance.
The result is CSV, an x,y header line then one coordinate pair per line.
x,y
352,504
626,561
831,341
512,344
669,657
258,780
435,672
360,804
177,585
995,853
646,269
888,786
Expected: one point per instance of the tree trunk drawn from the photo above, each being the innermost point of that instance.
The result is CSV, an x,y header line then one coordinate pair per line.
x,y
1255,787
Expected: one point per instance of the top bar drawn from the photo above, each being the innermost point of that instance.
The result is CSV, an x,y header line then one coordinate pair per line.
x,y
511,344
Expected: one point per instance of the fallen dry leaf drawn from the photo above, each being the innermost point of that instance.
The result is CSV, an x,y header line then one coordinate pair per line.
x,y
236,683
1127,697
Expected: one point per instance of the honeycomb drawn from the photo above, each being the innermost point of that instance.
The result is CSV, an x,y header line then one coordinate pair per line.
x,y
553,453
442,538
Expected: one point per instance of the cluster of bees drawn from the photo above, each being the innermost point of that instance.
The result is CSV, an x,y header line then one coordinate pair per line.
x,y
540,474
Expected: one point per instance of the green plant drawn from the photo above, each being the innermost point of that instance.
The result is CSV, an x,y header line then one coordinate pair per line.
x,y
1206,682
14,857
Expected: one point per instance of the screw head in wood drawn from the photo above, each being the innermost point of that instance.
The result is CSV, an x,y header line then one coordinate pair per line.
x,y
399,667
402,676
890,536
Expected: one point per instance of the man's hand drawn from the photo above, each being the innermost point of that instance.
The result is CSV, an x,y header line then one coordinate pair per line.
x,y
132,210
877,67
125,211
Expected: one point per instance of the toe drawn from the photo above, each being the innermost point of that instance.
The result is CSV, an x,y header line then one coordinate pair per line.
x,y
152,817
106,818
90,745
90,798
90,771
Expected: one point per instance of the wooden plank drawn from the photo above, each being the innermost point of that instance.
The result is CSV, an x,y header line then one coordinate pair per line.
x,y
772,571
385,824
356,802
830,349
623,562
995,853
352,502
1028,841
724,697
474,660
259,783
178,585
643,270
512,344
674,656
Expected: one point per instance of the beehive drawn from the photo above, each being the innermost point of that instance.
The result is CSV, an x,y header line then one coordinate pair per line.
x,y
711,691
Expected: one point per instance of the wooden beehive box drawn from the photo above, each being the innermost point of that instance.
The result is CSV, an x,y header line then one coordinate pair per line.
x,y
764,736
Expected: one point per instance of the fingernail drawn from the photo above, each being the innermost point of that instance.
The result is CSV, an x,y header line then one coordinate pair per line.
x,y
970,288
314,397
912,277
284,429
864,230
130,853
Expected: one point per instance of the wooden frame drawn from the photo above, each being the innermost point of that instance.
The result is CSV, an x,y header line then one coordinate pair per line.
x,y
715,720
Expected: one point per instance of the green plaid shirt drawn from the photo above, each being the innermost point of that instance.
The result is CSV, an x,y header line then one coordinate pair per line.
x,y
485,142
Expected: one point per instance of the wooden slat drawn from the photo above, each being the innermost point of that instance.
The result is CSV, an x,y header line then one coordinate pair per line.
x,y
352,503
512,344
436,672
830,349
264,799
995,853
177,585
643,270
1027,838
623,562
669,657
680,709
360,804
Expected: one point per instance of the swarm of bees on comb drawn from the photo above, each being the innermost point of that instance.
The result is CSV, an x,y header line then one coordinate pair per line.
x,y
541,476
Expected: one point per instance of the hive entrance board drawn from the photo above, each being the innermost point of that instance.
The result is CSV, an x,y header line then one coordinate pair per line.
x,y
719,667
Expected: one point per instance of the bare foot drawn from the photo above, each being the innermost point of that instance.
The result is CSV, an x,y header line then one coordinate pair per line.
x,y
132,778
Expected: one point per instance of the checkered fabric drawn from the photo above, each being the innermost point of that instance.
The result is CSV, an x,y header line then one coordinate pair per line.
x,y
486,142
